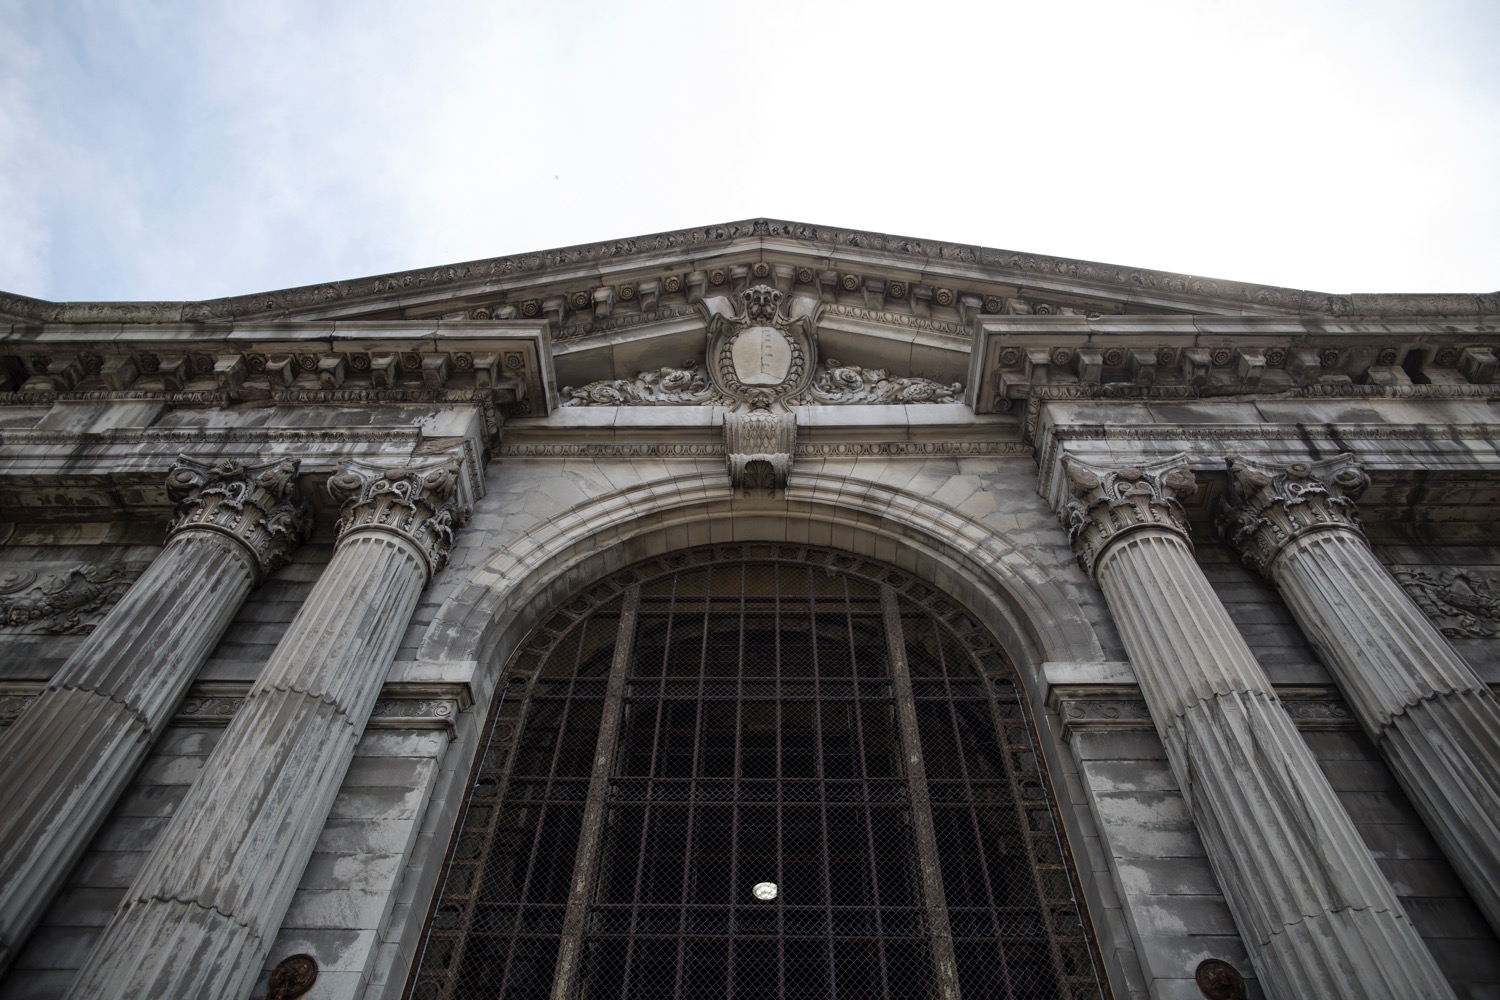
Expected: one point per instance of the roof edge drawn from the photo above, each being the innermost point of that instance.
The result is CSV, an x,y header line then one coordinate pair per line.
x,y
721,236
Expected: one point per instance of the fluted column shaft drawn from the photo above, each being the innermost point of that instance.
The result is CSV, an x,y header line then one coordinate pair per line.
x,y
72,752
1314,909
200,918
1434,720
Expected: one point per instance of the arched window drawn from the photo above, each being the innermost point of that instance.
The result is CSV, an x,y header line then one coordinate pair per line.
x,y
758,771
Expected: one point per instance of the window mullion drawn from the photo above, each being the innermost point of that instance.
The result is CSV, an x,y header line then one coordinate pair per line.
x,y
930,874
586,860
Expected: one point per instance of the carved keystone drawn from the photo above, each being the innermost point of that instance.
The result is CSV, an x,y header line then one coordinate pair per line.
x,y
1110,503
1269,506
258,506
759,446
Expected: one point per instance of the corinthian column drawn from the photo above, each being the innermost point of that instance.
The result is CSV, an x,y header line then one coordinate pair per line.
x,y
200,918
71,753
1317,914
1436,723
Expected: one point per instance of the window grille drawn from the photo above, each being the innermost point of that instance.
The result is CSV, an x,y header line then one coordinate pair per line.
x,y
758,772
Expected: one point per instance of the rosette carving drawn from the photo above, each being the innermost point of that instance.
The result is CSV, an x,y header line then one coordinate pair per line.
x,y
260,506
1268,506
1109,503
418,503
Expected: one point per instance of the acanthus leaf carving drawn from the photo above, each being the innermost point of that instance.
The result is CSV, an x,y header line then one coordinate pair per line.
x,y
260,506
1108,503
837,384
686,385
1268,506
1462,604
421,504
63,603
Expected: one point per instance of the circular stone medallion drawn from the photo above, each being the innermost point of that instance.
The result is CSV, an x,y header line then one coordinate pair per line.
x,y
762,356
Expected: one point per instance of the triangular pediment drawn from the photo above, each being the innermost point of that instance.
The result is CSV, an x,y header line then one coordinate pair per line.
x,y
997,322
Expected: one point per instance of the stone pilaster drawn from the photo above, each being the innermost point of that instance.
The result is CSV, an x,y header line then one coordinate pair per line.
x,y
73,750
200,918
1435,721
1314,909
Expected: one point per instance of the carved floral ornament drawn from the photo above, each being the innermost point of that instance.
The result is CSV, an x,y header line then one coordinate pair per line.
x,y
1461,603
420,504
67,602
1268,506
760,355
1109,503
259,506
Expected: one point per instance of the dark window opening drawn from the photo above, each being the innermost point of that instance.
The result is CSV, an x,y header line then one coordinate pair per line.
x,y
758,772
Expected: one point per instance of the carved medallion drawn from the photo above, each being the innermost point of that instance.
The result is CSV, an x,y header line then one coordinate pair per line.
x,y
761,355
760,346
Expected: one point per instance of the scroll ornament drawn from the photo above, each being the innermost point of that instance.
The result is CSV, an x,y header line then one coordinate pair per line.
x,y
418,503
685,385
1109,503
840,384
259,506
1268,506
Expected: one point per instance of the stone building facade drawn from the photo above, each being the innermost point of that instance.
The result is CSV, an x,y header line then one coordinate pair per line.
x,y
759,610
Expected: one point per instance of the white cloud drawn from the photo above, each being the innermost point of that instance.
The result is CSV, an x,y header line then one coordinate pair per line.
x,y
198,150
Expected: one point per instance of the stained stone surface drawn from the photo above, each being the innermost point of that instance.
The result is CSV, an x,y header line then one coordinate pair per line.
x,y
1108,364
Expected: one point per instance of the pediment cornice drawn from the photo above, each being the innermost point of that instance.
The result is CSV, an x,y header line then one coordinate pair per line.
x,y
583,283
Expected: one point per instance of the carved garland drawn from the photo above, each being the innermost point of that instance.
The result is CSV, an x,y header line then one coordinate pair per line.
x,y
839,384
686,385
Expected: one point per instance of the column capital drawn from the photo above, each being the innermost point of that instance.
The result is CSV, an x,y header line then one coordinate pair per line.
x,y
260,505
419,503
1110,502
1268,506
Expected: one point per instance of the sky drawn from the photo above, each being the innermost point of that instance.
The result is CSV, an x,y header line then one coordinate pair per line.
x,y
193,149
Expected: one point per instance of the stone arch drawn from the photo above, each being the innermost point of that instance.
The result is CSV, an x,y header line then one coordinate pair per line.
x,y
1021,599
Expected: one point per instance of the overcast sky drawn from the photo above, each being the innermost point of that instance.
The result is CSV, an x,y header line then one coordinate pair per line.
x,y
202,148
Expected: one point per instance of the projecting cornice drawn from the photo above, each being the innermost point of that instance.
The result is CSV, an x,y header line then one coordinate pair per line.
x,y
584,282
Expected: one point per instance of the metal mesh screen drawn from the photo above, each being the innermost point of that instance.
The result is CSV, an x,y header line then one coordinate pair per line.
x,y
773,772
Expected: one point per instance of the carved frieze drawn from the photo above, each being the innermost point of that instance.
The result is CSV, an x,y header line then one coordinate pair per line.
x,y
1461,603
259,506
1109,503
759,446
66,602
419,503
1268,506
682,386
835,384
